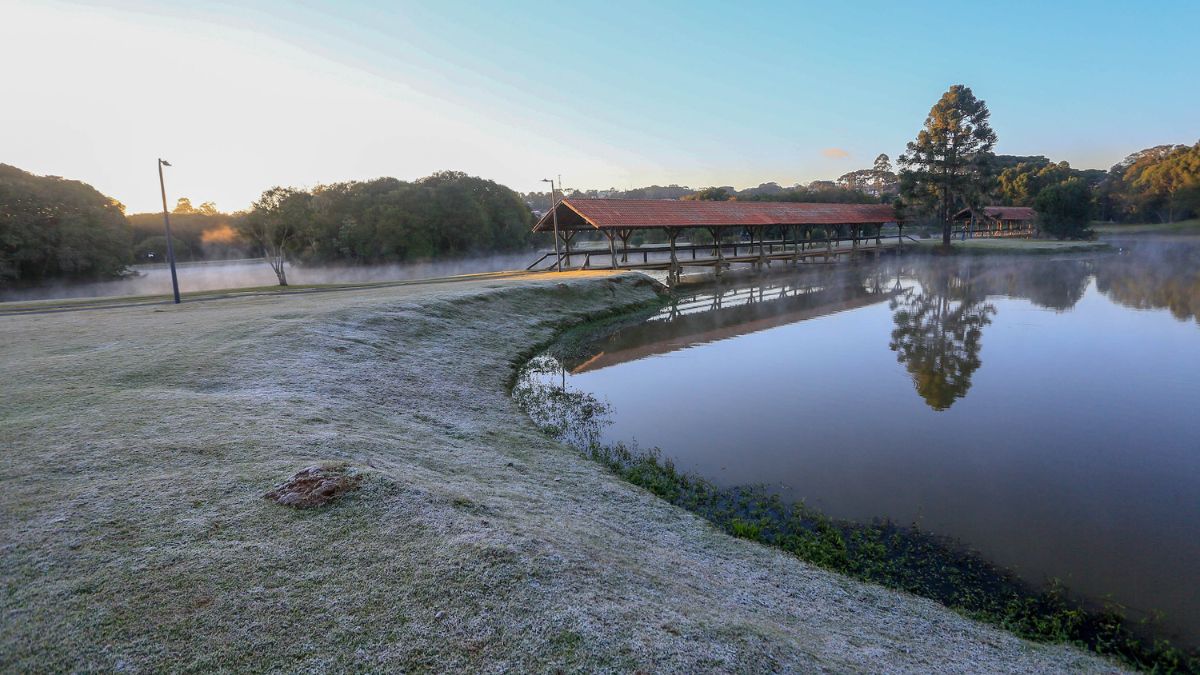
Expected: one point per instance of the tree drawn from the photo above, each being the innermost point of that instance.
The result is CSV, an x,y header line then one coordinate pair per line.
x,y
276,222
946,168
51,227
388,220
825,192
183,205
1019,185
1065,209
1129,194
879,181
712,194
1164,179
207,209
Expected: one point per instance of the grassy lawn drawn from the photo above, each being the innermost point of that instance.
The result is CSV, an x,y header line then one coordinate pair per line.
x,y
138,443
1182,227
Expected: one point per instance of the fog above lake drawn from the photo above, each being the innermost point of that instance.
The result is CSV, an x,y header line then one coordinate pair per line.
x,y
250,273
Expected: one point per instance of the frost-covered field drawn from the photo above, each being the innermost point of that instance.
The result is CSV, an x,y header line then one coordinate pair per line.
x,y
137,444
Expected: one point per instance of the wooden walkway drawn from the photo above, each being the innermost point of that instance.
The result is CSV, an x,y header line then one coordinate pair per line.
x,y
719,257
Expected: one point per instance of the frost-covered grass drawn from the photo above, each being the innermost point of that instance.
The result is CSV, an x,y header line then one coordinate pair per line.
x,y
138,442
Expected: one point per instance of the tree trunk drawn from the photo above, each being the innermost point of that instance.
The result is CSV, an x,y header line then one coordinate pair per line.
x,y
276,260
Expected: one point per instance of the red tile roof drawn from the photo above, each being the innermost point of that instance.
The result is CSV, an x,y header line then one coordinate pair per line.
x,y
642,213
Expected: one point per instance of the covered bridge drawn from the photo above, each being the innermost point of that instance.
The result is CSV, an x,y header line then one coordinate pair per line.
x,y
735,231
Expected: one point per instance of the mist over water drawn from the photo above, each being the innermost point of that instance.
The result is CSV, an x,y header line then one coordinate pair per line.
x,y
251,273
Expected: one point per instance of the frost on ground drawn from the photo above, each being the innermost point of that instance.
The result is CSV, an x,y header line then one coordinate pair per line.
x,y
314,486
138,443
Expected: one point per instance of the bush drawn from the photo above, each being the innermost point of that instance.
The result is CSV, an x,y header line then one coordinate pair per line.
x,y
1065,209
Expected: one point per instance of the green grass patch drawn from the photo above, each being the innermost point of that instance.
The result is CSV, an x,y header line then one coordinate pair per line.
x,y
1182,227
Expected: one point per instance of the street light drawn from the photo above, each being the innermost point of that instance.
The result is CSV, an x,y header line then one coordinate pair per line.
x,y
554,217
167,224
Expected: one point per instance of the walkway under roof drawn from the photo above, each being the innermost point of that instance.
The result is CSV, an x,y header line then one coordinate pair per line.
x,y
633,214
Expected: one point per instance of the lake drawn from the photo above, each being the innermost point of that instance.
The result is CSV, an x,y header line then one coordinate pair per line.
x,y
1043,412
214,275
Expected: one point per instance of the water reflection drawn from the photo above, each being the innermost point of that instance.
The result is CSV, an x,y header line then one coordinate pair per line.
x,y
1155,275
569,414
1040,410
716,312
938,332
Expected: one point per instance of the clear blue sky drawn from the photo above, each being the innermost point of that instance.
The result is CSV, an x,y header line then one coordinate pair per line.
x,y
243,96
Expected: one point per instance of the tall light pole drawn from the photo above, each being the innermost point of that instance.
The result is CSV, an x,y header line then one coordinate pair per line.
x,y
167,224
554,217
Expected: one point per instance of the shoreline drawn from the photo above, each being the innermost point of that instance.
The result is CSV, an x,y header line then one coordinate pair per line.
x,y
144,437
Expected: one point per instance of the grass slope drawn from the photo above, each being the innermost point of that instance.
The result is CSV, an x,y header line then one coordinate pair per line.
x,y
138,443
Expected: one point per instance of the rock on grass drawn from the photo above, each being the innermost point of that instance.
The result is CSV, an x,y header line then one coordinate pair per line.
x,y
314,486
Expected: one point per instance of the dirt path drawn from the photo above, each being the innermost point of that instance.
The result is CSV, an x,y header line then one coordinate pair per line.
x,y
138,443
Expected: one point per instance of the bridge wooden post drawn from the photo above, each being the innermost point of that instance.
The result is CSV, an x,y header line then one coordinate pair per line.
x,y
612,246
673,274
567,236
717,244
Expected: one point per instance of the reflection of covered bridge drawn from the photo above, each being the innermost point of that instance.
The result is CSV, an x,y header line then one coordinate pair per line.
x,y
734,232
996,221
713,314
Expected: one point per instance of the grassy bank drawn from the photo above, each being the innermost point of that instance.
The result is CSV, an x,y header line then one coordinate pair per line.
x,y
139,443
1182,227
904,558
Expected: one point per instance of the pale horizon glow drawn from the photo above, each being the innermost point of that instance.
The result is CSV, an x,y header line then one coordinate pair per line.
x,y
240,98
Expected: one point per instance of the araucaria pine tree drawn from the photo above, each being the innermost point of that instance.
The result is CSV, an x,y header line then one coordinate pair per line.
x,y
946,168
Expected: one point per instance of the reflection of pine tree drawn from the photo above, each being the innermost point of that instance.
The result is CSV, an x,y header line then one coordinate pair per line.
x,y
937,335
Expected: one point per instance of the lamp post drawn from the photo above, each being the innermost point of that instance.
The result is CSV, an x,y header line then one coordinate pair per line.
x,y
554,217
167,225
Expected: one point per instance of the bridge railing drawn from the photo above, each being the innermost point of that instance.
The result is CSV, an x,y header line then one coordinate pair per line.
x,y
771,247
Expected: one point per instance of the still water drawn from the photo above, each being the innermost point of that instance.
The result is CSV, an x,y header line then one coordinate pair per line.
x,y
1043,412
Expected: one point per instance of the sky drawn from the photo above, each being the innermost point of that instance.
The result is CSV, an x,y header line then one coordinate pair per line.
x,y
243,96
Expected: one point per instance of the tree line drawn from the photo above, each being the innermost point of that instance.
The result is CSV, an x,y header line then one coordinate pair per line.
x,y
950,166
52,228
387,220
